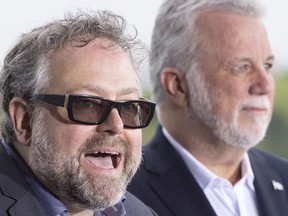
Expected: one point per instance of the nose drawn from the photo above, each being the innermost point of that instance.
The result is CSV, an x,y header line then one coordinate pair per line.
x,y
113,124
262,83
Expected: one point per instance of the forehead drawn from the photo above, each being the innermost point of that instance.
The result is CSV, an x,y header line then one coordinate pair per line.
x,y
98,68
233,33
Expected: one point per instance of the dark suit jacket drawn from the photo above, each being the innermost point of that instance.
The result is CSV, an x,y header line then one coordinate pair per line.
x,y
17,198
166,185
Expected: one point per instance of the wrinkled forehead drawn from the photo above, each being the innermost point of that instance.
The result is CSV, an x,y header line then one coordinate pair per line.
x,y
97,65
213,24
228,31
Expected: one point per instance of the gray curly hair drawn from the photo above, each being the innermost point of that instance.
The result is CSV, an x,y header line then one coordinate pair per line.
x,y
26,67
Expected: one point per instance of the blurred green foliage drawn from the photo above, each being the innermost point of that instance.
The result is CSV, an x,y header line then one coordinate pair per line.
x,y
276,139
277,136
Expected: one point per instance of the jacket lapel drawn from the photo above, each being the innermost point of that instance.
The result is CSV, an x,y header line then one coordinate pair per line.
x,y
189,198
174,178
15,195
270,192
25,204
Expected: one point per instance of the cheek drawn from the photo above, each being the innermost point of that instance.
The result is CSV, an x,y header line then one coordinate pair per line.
x,y
134,139
226,100
66,137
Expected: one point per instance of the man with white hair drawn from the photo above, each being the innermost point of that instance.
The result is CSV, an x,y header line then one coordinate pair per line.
x,y
211,78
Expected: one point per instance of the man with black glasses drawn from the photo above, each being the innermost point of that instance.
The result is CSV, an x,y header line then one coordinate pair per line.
x,y
73,113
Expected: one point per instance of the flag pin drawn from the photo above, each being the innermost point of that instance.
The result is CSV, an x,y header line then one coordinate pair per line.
x,y
277,185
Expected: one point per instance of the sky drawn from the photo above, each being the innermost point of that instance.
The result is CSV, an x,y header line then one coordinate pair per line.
x,y
18,16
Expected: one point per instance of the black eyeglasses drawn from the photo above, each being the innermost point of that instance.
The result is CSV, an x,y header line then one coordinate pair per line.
x,y
93,110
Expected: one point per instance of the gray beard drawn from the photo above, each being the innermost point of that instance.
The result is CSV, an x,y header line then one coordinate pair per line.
x,y
63,176
201,102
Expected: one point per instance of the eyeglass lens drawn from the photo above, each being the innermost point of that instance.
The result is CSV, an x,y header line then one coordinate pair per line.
x,y
94,110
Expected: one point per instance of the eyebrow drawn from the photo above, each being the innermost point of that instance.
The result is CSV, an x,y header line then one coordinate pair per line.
x,y
271,58
98,90
244,59
128,91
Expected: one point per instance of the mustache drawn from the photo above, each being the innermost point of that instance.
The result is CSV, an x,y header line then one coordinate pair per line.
x,y
104,140
261,102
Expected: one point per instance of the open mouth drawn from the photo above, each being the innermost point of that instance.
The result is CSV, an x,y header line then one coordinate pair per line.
x,y
104,159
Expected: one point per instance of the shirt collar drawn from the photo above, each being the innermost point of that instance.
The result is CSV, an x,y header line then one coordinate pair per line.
x,y
202,174
116,210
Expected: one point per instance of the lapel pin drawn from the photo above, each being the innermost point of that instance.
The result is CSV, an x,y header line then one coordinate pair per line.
x,y
277,185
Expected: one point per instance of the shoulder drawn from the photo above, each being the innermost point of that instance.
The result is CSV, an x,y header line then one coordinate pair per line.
x,y
134,206
158,148
272,163
15,192
261,156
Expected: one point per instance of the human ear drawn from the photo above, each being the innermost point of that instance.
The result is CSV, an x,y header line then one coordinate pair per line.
x,y
20,116
173,81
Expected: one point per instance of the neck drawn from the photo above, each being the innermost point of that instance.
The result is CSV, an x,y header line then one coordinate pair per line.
x,y
82,213
75,210
220,158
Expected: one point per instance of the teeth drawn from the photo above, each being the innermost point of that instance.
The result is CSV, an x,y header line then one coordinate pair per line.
x,y
107,152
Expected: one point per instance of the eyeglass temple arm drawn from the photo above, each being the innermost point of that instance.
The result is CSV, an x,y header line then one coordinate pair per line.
x,y
54,99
